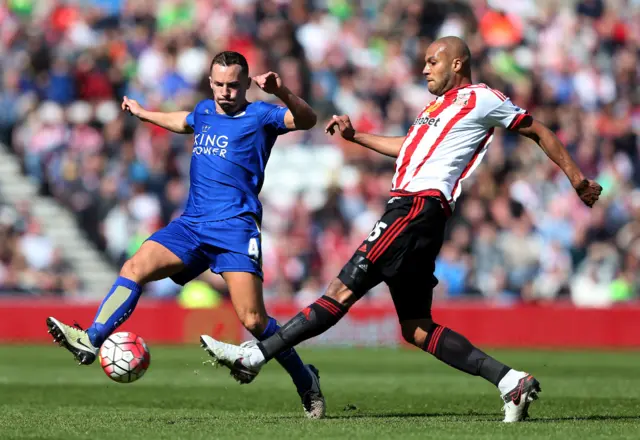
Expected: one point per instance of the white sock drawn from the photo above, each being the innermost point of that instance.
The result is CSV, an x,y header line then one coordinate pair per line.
x,y
510,380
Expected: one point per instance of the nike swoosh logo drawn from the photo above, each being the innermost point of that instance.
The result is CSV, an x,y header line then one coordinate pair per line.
x,y
78,341
517,397
243,367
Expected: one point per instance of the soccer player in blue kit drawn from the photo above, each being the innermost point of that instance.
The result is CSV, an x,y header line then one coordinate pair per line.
x,y
220,227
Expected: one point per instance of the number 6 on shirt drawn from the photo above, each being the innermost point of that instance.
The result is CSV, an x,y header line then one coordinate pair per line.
x,y
377,230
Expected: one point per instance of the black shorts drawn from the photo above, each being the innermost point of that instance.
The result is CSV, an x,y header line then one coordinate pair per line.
x,y
401,251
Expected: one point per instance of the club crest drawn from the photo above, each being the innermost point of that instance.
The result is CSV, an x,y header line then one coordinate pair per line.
x,y
461,100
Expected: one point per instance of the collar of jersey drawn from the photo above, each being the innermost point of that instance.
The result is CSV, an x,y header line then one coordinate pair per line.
x,y
240,113
455,89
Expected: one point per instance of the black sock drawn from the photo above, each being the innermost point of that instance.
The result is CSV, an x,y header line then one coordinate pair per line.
x,y
455,350
311,321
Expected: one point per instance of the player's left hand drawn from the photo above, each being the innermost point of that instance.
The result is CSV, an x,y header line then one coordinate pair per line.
x,y
343,124
270,82
589,191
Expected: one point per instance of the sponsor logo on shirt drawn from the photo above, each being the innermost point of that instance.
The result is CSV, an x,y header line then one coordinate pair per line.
x,y
427,121
210,145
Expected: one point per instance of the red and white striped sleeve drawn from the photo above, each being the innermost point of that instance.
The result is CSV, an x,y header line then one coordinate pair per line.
x,y
503,112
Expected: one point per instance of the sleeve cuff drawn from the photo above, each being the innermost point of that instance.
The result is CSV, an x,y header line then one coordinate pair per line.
x,y
516,121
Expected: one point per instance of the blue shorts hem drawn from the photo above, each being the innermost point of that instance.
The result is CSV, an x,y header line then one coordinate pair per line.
x,y
220,270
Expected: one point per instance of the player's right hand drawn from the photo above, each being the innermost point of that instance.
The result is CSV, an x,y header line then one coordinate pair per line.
x,y
589,191
343,123
131,106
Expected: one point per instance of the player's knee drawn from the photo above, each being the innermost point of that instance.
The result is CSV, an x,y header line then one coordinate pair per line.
x,y
340,292
134,270
254,322
357,276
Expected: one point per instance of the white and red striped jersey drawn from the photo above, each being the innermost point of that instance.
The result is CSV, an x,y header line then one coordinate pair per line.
x,y
448,139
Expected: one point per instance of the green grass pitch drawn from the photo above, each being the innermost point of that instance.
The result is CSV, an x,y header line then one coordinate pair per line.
x,y
371,394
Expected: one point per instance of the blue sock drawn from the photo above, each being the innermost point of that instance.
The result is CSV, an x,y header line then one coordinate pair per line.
x,y
289,360
114,310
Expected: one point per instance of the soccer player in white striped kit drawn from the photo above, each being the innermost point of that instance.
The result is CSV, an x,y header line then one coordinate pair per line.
x,y
443,147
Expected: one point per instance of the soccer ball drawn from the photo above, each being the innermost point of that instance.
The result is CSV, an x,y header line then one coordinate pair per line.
x,y
124,357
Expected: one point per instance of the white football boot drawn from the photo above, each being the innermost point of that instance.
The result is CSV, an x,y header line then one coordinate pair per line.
x,y
523,389
73,339
313,401
244,361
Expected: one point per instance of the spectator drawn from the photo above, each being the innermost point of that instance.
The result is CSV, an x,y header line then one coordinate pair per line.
x,y
518,233
29,263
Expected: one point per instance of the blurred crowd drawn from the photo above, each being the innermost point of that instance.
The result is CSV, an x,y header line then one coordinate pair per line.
x,y
30,263
519,231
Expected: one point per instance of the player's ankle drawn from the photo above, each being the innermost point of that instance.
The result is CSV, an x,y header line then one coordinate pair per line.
x,y
96,336
264,353
510,380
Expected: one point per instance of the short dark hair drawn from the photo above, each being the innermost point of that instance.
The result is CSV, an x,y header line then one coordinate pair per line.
x,y
230,58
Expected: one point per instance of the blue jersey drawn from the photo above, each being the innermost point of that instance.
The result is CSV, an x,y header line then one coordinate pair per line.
x,y
229,157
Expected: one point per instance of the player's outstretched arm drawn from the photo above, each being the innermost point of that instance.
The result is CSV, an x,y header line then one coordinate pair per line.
x,y
174,121
387,145
588,190
300,115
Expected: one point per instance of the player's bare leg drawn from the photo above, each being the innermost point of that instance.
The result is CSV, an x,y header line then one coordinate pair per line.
x,y
518,389
152,262
245,290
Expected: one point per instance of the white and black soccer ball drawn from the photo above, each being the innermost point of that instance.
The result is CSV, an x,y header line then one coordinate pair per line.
x,y
124,357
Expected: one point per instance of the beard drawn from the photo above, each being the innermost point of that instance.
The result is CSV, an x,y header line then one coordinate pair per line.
x,y
438,88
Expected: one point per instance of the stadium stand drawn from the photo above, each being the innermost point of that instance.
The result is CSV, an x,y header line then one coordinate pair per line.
x,y
519,233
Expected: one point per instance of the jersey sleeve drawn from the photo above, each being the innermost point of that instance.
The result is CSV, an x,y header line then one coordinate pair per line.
x,y
272,118
191,120
503,112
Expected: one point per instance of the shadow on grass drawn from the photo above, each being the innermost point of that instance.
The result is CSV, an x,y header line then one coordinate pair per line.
x,y
487,417
593,417
403,415
481,417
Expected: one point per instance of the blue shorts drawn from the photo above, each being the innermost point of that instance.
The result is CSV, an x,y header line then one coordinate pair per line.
x,y
231,245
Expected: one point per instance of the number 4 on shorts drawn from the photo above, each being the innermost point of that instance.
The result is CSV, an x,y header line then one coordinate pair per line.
x,y
254,250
